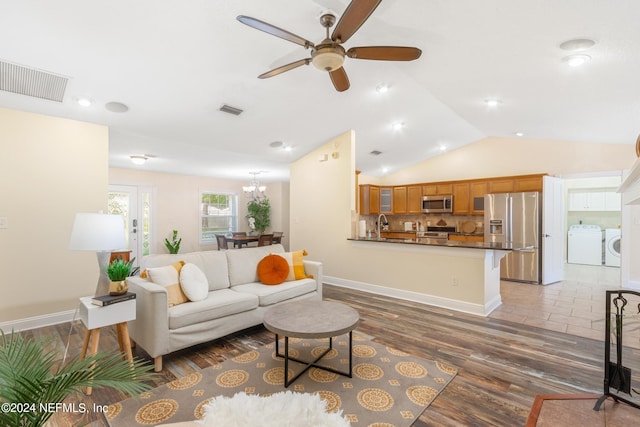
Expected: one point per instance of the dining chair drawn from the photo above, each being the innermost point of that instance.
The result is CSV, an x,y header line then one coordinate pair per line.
x,y
277,237
222,242
265,239
235,234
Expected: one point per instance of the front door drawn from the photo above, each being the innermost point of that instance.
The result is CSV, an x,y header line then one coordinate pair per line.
x,y
134,206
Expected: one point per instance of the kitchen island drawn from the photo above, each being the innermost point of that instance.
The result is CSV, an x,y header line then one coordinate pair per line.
x,y
458,275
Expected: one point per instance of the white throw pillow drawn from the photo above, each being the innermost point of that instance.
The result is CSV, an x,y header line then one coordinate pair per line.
x,y
193,282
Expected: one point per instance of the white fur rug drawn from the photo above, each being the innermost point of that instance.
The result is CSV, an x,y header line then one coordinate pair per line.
x,y
283,409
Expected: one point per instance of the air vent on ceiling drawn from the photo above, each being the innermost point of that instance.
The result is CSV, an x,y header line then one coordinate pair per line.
x,y
231,110
375,152
31,82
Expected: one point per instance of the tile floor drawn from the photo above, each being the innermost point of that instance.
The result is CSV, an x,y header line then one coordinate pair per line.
x,y
574,306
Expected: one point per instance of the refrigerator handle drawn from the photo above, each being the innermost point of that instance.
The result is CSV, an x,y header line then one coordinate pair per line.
x,y
509,228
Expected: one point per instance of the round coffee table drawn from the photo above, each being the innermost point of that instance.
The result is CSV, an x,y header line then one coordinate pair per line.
x,y
311,319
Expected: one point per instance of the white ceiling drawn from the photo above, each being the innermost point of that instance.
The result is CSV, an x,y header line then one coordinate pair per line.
x,y
175,63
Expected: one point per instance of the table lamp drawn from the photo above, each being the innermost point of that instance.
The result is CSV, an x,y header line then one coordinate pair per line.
x,y
101,233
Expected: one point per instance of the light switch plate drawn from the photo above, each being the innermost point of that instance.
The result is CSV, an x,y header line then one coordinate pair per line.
x,y
4,223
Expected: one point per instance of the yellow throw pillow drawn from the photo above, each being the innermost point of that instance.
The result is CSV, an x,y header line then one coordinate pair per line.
x,y
169,278
296,265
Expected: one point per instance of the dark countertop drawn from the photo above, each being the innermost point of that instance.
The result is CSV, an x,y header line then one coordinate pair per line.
x,y
447,243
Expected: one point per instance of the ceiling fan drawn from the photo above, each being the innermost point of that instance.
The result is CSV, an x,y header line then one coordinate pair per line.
x,y
329,54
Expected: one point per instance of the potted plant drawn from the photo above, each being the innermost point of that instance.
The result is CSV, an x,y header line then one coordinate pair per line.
x,y
118,271
260,211
33,379
173,246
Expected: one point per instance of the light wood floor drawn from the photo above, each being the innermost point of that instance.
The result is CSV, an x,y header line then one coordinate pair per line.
x,y
503,364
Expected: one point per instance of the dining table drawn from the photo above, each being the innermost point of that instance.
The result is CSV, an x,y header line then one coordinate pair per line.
x,y
240,241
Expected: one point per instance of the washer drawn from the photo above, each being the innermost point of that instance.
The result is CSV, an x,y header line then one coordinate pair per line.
x,y
584,244
612,247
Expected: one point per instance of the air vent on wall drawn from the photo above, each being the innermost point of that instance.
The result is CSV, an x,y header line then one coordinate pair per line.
x,y
231,110
32,82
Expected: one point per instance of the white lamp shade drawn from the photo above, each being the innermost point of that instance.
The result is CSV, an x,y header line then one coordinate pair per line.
x,y
97,232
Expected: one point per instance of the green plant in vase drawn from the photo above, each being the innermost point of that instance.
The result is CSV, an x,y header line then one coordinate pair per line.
x,y
32,376
174,245
260,211
118,270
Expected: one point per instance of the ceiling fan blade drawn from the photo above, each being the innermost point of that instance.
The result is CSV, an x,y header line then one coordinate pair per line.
x,y
284,68
273,30
340,79
356,14
385,53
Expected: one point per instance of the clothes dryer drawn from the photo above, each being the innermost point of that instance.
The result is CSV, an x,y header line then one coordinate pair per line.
x,y
612,247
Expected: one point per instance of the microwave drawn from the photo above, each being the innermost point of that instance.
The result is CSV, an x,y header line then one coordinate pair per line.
x,y
437,204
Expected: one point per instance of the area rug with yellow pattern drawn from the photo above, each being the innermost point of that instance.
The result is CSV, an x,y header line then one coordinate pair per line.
x,y
389,388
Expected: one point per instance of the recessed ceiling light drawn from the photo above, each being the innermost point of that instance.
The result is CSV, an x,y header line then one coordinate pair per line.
x,y
577,45
443,147
385,170
84,102
492,102
576,60
138,160
116,107
519,134
397,126
382,88
287,148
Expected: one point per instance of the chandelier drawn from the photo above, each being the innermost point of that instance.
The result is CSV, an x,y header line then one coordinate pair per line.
x,y
255,189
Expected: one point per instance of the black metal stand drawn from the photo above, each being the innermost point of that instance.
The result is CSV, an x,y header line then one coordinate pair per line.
x,y
287,358
616,376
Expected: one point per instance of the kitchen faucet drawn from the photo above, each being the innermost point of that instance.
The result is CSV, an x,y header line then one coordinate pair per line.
x,y
386,222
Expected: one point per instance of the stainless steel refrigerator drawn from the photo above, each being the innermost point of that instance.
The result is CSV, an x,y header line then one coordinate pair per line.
x,y
514,218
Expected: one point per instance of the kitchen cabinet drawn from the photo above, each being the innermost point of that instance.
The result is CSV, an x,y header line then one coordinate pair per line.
x,y
386,200
530,183
477,189
594,201
397,235
437,189
400,200
501,185
466,238
369,199
414,199
461,197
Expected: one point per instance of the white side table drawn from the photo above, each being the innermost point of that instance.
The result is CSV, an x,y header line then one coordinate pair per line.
x,y
95,317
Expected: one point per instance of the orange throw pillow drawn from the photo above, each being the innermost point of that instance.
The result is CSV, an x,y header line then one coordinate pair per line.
x,y
273,270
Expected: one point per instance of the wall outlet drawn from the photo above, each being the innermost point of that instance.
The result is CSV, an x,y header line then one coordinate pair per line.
x,y
454,281
4,222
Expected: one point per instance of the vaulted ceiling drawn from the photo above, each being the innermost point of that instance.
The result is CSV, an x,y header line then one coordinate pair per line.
x,y
175,63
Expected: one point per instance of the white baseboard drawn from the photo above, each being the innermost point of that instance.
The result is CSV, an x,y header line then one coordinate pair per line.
x,y
451,304
38,321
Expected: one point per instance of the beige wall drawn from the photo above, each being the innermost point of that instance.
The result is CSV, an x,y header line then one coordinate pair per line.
x,y
176,204
491,157
50,169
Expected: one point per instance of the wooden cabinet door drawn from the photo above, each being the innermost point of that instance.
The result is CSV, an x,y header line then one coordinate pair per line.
x,y
399,200
476,201
533,183
501,186
444,189
437,189
461,198
429,189
414,199
369,199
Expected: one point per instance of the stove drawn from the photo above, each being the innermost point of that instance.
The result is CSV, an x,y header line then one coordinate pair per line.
x,y
435,233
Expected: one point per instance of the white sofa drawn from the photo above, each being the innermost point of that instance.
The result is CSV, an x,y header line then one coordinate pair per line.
x,y
236,299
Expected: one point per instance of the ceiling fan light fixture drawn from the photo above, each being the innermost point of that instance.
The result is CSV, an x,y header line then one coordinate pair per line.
x,y
328,58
